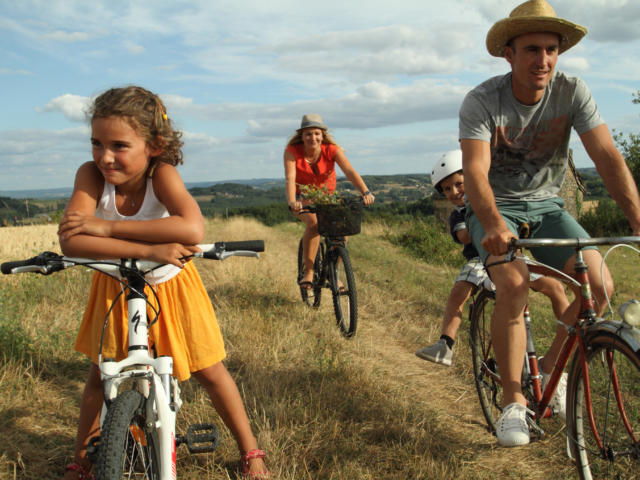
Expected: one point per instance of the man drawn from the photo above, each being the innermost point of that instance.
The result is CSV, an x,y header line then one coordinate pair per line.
x,y
514,135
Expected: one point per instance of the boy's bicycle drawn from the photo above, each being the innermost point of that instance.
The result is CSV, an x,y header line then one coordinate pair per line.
x,y
332,267
603,392
138,437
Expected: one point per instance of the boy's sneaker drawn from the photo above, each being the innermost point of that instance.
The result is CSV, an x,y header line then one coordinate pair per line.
x,y
559,399
439,352
512,429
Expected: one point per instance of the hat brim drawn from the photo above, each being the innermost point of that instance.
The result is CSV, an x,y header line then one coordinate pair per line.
x,y
508,28
312,125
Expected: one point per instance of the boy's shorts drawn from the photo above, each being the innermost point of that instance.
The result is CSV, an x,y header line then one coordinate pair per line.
x,y
474,272
546,219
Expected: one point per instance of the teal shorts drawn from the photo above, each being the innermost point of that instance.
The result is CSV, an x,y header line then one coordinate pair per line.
x,y
546,219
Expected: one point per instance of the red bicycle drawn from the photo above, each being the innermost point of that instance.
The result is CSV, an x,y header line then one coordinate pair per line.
x,y
603,389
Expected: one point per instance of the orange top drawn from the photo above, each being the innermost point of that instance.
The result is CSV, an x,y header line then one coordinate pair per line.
x,y
322,173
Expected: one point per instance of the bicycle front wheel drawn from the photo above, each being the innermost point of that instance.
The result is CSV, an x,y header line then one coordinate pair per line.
x,y
610,449
343,288
311,300
485,367
127,449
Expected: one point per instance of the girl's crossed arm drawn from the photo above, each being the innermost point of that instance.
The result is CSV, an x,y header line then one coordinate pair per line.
x,y
165,240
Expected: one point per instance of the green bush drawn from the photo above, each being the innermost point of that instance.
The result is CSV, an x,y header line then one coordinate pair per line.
x,y
606,220
427,241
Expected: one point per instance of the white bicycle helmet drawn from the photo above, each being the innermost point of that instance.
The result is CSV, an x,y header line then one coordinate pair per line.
x,y
448,164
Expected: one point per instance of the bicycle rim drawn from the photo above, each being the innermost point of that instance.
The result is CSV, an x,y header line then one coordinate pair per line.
x,y
614,379
343,289
485,367
126,449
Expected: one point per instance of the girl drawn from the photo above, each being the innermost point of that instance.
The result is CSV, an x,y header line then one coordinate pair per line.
x,y
131,202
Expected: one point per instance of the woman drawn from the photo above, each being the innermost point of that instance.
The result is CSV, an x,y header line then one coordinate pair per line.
x,y
310,159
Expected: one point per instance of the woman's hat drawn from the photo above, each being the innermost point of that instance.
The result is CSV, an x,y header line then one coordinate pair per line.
x,y
533,16
312,120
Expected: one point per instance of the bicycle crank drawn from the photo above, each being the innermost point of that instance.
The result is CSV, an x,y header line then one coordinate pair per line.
x,y
200,438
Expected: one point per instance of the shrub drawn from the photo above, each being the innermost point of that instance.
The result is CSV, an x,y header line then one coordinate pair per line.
x,y
427,241
606,220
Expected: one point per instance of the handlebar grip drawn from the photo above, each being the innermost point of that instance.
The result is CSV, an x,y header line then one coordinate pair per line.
x,y
219,247
250,245
6,267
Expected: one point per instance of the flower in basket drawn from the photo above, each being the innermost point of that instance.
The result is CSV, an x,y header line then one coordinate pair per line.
x,y
318,195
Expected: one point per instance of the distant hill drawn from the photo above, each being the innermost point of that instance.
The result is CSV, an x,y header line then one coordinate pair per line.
x,y
250,196
53,193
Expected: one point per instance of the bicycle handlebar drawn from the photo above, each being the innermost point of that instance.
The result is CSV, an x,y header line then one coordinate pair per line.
x,y
570,242
49,262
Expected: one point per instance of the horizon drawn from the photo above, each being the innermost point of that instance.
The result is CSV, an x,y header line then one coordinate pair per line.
x,y
237,78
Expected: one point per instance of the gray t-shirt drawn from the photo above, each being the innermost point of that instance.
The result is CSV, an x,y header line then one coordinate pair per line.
x,y
529,143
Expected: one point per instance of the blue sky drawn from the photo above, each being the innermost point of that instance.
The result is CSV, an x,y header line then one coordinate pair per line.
x,y
237,76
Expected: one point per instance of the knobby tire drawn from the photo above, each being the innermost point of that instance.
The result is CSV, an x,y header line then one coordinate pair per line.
x,y
345,299
126,449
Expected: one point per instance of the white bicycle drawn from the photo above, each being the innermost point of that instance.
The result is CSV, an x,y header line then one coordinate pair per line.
x,y
138,427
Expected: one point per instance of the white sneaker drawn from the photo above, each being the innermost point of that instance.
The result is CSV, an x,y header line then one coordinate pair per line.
x,y
512,429
439,352
559,399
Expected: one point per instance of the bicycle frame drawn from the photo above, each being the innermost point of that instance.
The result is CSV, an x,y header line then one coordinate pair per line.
x,y
153,378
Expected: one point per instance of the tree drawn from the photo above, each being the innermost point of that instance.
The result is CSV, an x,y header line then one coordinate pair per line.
x,y
629,146
608,218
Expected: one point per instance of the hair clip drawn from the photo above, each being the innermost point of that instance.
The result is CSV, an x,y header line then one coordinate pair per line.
x,y
164,116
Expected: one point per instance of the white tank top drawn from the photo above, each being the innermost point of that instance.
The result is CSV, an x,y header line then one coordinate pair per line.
x,y
150,209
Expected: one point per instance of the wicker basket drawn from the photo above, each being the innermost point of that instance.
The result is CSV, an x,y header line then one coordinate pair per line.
x,y
340,220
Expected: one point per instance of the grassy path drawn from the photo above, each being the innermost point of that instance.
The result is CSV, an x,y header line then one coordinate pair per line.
x,y
323,407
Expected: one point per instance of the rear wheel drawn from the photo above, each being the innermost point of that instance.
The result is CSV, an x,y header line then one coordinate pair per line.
x,y
613,451
313,296
127,449
485,367
343,288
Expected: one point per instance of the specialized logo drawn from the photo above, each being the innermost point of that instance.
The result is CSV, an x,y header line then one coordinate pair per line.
x,y
136,321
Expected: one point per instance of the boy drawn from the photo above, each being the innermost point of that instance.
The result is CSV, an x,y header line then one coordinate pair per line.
x,y
448,179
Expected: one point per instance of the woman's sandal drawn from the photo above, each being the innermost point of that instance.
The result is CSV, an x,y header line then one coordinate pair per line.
x,y
83,473
250,455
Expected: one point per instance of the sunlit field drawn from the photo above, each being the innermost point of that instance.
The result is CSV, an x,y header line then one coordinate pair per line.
x,y
323,407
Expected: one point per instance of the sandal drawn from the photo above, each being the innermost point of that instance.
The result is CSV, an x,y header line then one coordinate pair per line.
x,y
306,285
83,473
250,455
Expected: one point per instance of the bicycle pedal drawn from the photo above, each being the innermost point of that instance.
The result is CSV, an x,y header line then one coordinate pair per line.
x,y
200,438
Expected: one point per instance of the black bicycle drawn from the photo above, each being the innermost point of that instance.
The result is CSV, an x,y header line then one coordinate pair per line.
x,y
332,267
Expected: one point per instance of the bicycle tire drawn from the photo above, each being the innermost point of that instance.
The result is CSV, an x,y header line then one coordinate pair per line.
x,y
485,367
620,455
317,288
126,448
343,289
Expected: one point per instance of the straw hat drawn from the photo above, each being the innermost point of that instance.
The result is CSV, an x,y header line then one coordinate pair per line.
x,y
532,17
312,120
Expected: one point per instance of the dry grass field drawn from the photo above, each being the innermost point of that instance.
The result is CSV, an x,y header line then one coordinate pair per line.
x,y
322,407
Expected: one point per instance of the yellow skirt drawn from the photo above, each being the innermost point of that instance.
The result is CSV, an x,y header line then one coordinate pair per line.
x,y
186,328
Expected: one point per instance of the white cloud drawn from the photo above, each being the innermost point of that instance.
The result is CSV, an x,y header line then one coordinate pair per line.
x,y
73,107
575,65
